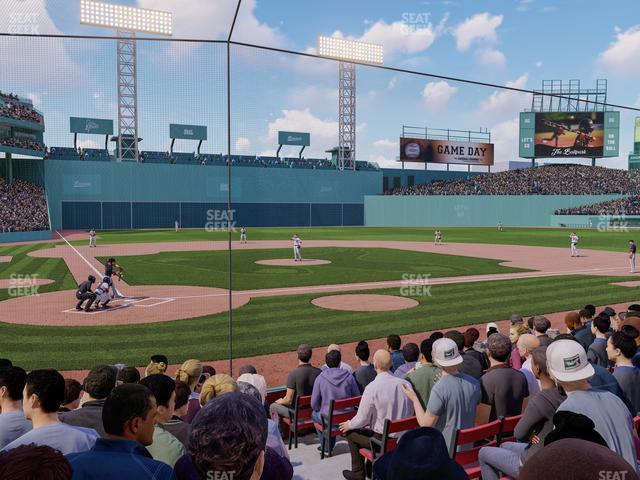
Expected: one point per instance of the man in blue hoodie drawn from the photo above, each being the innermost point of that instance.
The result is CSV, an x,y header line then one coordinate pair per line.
x,y
334,383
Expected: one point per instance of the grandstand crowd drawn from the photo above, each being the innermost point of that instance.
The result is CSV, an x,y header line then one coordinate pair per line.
x,y
544,180
23,207
522,404
620,206
12,107
22,143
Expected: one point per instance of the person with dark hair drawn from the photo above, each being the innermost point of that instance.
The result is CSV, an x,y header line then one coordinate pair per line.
x,y
247,369
240,420
43,394
621,348
176,426
31,462
422,379
72,391
469,366
157,364
365,374
471,336
207,372
394,342
597,352
165,447
536,423
591,309
583,332
128,375
503,388
436,335
299,383
410,354
334,383
12,422
5,362
540,326
97,386
129,417
568,366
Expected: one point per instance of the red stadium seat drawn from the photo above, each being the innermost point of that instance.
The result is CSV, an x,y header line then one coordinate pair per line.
x,y
388,442
487,434
508,426
329,426
299,419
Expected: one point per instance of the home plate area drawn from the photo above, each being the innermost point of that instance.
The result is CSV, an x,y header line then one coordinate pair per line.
x,y
120,303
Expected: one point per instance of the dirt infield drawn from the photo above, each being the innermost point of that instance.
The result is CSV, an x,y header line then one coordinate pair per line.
x,y
187,302
365,302
290,262
633,283
5,258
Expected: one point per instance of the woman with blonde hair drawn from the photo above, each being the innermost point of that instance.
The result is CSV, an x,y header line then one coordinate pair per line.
x,y
189,373
215,386
515,331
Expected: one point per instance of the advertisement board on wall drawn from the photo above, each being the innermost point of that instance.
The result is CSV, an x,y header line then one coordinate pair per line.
x,y
445,151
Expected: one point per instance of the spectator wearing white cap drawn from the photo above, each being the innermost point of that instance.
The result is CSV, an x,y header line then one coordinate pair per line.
x,y
568,365
453,399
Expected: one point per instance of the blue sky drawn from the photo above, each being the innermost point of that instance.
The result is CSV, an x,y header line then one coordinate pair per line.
x,y
517,42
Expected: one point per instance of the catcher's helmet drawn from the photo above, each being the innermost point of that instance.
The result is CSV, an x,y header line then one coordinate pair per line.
x,y
107,280
586,125
92,279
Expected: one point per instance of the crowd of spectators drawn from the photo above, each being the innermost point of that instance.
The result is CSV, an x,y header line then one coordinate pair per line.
x,y
574,392
620,206
544,180
12,107
22,143
23,207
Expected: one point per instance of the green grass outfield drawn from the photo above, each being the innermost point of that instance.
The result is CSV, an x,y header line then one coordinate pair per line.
x,y
543,237
279,324
348,265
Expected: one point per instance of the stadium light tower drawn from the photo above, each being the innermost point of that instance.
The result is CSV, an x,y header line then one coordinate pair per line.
x,y
126,21
348,51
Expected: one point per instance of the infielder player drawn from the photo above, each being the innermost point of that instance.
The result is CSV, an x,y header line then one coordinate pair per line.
x,y
574,244
632,255
297,247
437,237
243,235
84,293
104,293
92,238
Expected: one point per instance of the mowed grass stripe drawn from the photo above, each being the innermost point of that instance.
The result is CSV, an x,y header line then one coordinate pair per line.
x,y
275,324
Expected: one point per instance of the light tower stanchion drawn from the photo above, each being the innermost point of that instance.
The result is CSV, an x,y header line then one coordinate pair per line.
x,y
127,95
347,116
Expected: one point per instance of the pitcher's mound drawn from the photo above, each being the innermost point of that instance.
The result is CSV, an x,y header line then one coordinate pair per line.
x,y
289,262
364,302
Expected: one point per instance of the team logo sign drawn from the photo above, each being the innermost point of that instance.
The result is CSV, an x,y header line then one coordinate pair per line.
x,y
449,354
572,363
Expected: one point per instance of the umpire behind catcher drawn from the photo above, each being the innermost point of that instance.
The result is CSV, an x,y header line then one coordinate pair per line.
x,y
84,293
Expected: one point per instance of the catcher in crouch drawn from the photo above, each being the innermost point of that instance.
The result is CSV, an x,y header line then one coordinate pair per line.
x,y
104,293
84,294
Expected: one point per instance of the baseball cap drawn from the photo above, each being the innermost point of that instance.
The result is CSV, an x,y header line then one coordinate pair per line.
x,y
492,325
445,353
567,361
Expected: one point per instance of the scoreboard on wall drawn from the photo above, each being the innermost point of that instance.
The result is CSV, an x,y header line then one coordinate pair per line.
x,y
569,134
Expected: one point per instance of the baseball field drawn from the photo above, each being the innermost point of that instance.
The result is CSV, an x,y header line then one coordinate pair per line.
x,y
176,288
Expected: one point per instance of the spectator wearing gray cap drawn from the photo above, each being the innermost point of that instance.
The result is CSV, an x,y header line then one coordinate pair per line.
x,y
503,388
540,326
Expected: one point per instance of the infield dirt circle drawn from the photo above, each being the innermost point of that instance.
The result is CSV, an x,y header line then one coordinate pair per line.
x,y
289,262
365,302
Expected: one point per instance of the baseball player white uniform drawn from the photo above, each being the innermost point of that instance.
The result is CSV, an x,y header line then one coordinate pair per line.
x,y
297,246
574,245
92,238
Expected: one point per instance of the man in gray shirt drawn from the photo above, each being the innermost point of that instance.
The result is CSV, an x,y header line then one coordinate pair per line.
x,y
454,398
597,353
12,421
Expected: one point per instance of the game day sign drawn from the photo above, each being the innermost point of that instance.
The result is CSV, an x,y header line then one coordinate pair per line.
x,y
445,151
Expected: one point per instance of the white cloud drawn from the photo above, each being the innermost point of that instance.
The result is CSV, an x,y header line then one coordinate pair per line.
x,y
538,64
243,146
523,5
392,83
503,104
386,145
478,28
88,143
212,20
491,57
504,136
622,55
437,94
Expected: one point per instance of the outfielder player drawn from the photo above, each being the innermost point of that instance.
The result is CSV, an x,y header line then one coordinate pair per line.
x,y
92,238
297,247
243,235
632,255
177,226
104,293
437,237
574,244
84,293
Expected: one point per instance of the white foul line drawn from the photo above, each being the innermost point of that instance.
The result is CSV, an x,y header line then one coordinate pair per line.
x,y
80,255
